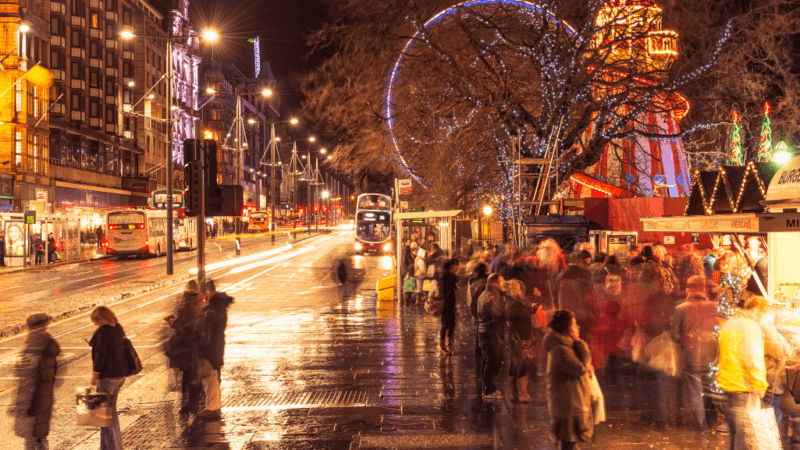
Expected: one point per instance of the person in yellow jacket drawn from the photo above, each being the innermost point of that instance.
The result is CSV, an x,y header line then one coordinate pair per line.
x,y
742,371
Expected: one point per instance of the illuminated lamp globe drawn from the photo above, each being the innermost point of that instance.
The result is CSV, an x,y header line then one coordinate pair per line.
x,y
210,35
487,210
782,155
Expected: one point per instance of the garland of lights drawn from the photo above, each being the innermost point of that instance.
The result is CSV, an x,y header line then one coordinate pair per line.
x,y
737,157
765,141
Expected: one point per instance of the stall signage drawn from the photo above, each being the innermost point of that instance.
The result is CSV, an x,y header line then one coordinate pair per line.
x,y
404,186
785,185
703,225
779,223
669,240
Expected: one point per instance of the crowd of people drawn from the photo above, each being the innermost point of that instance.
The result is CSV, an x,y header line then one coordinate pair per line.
x,y
675,318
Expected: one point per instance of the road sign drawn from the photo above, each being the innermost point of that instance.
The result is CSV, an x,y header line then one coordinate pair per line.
x,y
30,217
404,186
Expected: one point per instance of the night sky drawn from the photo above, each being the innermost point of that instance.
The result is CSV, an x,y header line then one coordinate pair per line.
x,y
281,25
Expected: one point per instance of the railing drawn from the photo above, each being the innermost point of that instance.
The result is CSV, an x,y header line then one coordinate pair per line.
x,y
71,171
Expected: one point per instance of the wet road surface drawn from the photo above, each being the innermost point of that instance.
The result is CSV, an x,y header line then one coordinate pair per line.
x,y
312,365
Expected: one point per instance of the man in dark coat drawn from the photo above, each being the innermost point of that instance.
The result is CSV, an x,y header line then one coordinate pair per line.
x,y
211,324
46,348
573,291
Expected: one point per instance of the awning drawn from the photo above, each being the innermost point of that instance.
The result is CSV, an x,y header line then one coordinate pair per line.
x,y
427,214
724,223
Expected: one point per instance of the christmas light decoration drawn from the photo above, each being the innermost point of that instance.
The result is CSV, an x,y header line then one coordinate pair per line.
x,y
737,157
732,291
765,141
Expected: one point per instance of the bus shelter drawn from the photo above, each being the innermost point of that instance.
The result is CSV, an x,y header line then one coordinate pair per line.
x,y
19,236
431,226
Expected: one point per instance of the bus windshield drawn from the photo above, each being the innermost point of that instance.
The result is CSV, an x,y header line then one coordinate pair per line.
x,y
374,202
373,227
258,216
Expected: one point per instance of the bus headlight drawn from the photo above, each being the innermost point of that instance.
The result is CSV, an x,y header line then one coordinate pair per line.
x,y
358,246
387,247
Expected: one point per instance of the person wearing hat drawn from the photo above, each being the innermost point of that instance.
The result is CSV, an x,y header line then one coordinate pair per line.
x,y
692,326
42,346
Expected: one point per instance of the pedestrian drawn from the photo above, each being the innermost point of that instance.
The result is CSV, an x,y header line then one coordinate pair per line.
x,y
211,324
742,372
420,272
2,251
109,368
181,350
521,342
38,245
569,370
693,326
777,351
43,346
99,233
573,291
51,249
448,290
475,287
491,334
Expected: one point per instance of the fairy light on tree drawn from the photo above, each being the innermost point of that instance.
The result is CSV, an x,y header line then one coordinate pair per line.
x,y
765,139
737,157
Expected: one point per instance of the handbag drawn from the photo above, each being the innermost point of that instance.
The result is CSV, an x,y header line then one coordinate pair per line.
x,y
93,409
664,355
132,358
426,285
598,400
760,427
431,270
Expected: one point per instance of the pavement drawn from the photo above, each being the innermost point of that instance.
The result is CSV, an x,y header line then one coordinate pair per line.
x,y
311,364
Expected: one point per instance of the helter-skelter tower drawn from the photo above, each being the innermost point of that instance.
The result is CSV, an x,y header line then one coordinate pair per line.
x,y
638,165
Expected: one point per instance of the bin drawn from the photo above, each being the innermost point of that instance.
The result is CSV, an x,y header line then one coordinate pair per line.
x,y
385,288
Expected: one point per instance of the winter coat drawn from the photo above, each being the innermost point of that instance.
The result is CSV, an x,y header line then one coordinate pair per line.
x,y
448,292
492,315
211,324
108,352
776,351
574,291
180,349
693,323
476,287
568,396
741,356
42,402
420,269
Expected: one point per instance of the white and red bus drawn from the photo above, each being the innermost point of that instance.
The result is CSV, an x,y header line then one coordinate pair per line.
x,y
373,224
136,233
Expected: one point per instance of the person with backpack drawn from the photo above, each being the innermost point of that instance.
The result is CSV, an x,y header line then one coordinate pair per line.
x,y
211,324
109,368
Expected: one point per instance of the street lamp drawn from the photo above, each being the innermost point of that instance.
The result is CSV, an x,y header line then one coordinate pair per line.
x,y
782,154
210,36
238,149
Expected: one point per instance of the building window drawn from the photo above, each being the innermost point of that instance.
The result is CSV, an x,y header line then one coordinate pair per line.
x,y
110,88
126,16
75,70
94,79
110,116
77,38
55,28
77,8
94,49
75,102
18,150
126,70
94,21
111,60
94,109
127,96
19,100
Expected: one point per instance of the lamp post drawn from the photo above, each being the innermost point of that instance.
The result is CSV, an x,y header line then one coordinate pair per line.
x,y
209,36
239,124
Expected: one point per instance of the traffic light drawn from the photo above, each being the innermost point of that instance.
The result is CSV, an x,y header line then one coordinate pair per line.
x,y
211,166
194,190
190,151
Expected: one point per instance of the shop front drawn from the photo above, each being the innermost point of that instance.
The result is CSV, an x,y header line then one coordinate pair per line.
x,y
18,236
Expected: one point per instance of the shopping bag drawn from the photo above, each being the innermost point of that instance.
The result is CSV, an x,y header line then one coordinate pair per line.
x,y
638,344
93,409
598,401
431,271
58,257
663,355
408,285
434,306
760,427
426,285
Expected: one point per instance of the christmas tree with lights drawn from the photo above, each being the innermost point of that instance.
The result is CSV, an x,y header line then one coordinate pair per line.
x,y
765,141
737,157
732,291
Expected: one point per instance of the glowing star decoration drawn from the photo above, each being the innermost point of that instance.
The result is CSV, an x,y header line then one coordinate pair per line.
x,y
765,141
649,166
737,157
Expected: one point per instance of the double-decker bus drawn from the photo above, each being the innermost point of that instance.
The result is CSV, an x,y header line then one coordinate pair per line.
x,y
373,224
